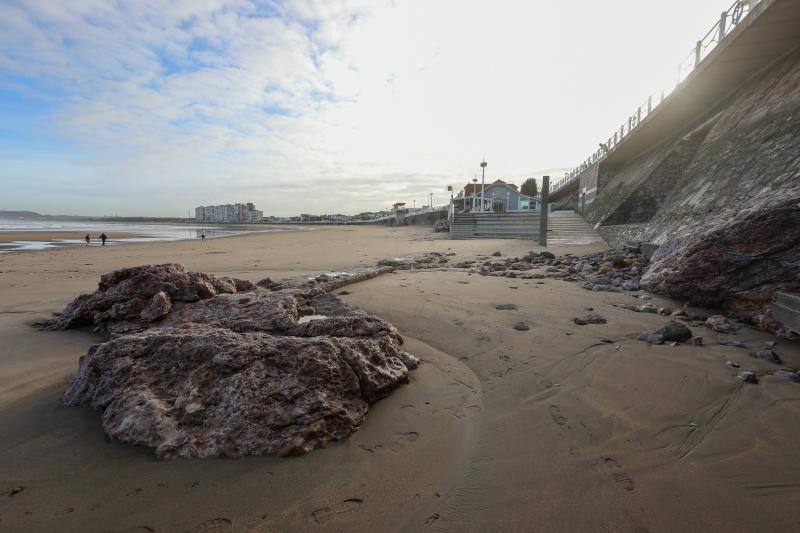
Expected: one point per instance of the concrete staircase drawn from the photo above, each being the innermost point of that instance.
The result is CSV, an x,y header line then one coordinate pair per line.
x,y
495,226
567,227
563,227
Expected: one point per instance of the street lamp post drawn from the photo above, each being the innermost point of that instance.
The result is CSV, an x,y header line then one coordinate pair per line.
x,y
483,181
431,200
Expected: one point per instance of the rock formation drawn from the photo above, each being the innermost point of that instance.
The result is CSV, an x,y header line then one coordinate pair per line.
x,y
736,261
198,366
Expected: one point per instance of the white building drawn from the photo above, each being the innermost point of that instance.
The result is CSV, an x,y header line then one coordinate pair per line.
x,y
228,213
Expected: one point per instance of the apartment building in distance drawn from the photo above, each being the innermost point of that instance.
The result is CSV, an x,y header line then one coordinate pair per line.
x,y
228,213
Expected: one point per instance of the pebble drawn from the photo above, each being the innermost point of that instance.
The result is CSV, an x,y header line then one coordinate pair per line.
x,y
651,337
747,376
787,374
769,355
506,307
521,326
591,318
735,344
674,331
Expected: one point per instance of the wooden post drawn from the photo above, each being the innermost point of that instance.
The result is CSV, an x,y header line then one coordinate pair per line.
x,y
544,211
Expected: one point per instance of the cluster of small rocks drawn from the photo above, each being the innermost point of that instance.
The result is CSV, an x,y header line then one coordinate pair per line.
x,y
420,262
602,271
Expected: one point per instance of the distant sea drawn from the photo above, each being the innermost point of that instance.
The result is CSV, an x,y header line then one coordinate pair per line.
x,y
72,232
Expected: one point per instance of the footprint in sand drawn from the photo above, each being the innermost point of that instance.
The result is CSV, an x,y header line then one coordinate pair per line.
x,y
619,475
402,439
557,417
323,514
215,524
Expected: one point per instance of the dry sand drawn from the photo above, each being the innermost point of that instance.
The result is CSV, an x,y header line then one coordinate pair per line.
x,y
500,430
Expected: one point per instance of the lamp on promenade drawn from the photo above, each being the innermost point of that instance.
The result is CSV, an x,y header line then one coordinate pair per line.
x,y
483,181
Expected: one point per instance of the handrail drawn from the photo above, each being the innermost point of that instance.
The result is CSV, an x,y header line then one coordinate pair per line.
x,y
728,21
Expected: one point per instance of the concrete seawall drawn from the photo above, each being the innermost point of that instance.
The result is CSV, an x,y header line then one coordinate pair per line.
x,y
730,133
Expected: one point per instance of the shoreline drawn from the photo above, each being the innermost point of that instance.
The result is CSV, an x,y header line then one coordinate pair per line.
x,y
43,240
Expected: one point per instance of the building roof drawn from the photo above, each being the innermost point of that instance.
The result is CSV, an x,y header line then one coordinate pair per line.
x,y
469,187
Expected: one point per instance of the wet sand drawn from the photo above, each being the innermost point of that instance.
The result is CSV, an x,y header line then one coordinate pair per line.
x,y
47,236
499,430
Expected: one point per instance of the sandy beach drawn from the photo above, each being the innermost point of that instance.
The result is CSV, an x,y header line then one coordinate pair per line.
x,y
546,430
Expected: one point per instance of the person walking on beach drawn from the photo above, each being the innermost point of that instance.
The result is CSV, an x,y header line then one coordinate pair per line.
x,y
87,239
103,238
203,234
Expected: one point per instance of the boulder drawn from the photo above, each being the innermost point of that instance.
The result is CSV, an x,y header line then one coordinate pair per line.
x,y
130,295
197,369
201,391
737,260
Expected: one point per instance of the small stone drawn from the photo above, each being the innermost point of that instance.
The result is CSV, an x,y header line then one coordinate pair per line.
x,y
506,307
606,341
16,490
547,255
747,376
735,344
647,308
787,374
678,312
721,324
591,318
733,364
497,254
696,341
521,326
651,337
344,293
674,331
769,355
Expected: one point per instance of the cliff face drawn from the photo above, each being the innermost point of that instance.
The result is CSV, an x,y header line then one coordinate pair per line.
x,y
746,148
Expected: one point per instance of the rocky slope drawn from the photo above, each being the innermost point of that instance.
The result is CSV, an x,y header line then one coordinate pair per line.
x,y
735,261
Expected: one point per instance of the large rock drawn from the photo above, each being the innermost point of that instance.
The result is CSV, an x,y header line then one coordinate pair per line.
x,y
736,261
225,373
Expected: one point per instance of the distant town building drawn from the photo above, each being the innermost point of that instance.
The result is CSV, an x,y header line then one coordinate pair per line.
x,y
228,213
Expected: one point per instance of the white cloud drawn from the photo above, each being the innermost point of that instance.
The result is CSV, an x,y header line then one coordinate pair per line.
x,y
313,105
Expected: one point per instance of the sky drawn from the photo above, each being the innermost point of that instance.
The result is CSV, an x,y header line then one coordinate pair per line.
x,y
317,106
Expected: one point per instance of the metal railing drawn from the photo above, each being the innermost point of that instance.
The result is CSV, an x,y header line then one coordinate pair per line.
x,y
727,22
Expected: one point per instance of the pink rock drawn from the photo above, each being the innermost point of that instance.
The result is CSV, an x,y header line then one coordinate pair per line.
x,y
735,261
230,374
158,307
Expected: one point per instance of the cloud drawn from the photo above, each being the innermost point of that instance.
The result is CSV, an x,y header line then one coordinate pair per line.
x,y
312,105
